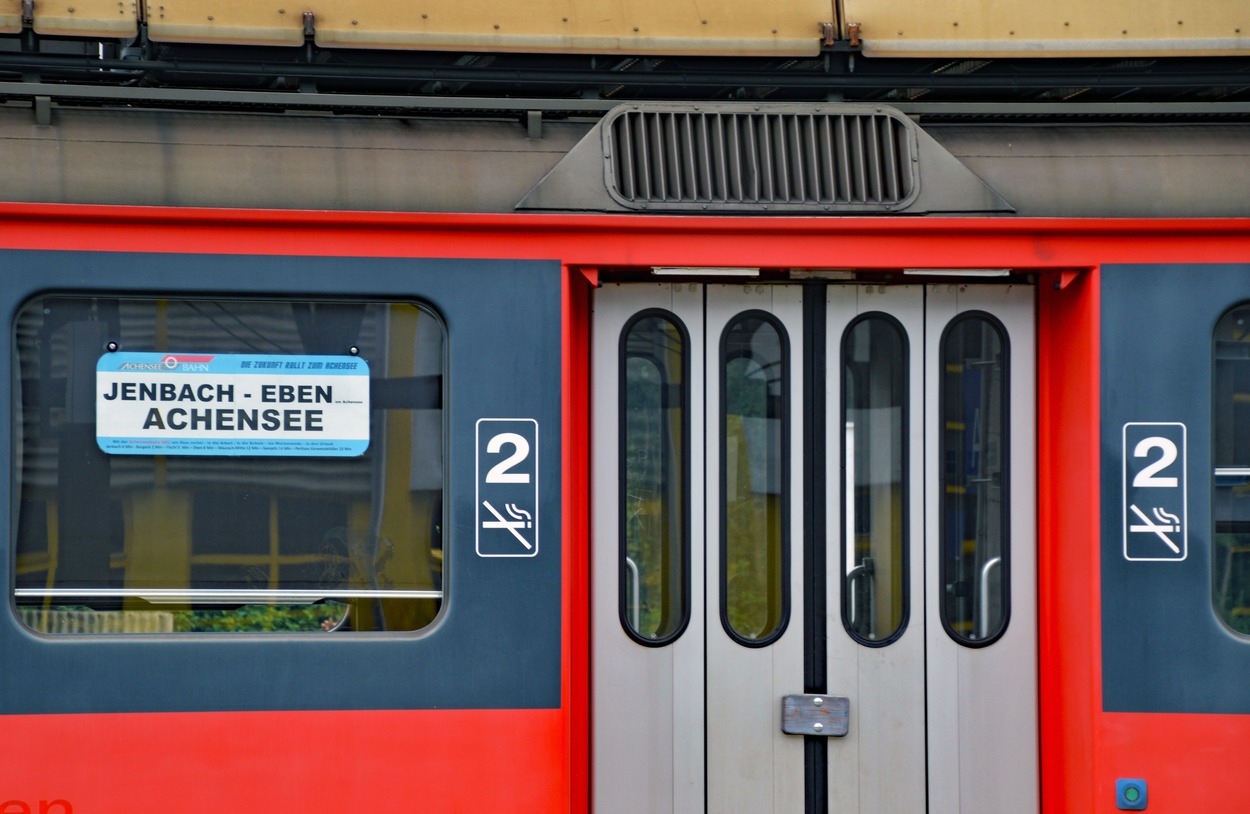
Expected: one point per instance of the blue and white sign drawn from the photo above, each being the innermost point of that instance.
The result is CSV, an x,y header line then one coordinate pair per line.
x,y
232,404
1156,525
507,487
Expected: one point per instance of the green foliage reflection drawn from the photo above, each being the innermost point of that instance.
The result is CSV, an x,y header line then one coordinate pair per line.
x,y
753,441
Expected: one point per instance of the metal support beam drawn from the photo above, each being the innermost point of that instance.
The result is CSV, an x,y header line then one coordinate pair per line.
x,y
575,108
43,110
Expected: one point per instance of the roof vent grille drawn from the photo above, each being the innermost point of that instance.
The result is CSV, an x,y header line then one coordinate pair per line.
x,y
773,160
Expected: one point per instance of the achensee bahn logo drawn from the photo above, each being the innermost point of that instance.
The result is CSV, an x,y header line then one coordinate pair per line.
x,y
196,363
171,362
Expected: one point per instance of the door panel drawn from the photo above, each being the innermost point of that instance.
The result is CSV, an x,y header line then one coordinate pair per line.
x,y
647,732
982,701
698,502
756,469
880,765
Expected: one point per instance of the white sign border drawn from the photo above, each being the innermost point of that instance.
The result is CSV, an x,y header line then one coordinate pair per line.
x,y
477,488
118,432
1184,460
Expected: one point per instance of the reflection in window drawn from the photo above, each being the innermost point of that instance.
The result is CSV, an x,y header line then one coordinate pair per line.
x,y
973,481
754,486
195,543
874,364
655,487
1231,447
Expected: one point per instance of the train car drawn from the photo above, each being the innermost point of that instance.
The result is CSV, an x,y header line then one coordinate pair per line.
x,y
578,408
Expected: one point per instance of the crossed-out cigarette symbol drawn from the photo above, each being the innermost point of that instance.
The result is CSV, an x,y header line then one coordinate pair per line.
x,y
1168,522
523,520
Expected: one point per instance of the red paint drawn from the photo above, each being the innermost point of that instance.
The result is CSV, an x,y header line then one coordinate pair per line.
x,y
43,807
576,407
537,760
1068,538
469,761
1191,762
604,241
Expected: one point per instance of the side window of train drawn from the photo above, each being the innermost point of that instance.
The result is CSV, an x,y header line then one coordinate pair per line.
x,y
974,536
228,466
1231,453
655,478
874,463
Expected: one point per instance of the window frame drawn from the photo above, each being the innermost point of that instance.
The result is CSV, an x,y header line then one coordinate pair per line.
x,y
905,477
1218,443
785,398
233,599
944,575
685,541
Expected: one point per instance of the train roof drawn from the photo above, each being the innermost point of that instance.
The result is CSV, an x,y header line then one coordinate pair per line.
x,y
578,56
1129,110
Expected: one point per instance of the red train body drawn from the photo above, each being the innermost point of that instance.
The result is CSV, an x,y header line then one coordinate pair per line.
x,y
538,759
684,454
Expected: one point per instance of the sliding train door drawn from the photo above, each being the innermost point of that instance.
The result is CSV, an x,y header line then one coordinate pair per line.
x,y
753,504
813,559
874,560
930,497
980,544
647,562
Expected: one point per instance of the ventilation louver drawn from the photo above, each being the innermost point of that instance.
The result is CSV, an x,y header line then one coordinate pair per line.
x,y
760,160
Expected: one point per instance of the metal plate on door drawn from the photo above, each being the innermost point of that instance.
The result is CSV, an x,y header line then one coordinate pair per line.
x,y
826,715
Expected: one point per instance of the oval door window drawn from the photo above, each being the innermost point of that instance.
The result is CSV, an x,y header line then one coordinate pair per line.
x,y
755,432
874,466
655,481
974,535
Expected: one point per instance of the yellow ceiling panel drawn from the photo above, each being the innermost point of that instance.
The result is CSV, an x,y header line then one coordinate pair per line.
x,y
230,22
86,18
10,16
580,26
782,27
992,28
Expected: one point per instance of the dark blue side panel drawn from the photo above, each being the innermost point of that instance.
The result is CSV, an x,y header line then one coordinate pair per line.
x,y
1164,649
497,644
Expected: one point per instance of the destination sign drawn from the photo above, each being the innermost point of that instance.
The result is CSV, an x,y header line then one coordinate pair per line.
x,y
232,404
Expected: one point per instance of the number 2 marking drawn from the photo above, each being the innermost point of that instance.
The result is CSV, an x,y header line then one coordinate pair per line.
x,y
1148,476
521,450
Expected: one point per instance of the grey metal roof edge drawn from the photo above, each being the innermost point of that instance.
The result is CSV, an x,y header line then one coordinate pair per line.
x,y
1075,110
64,93
947,186
576,183
297,100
